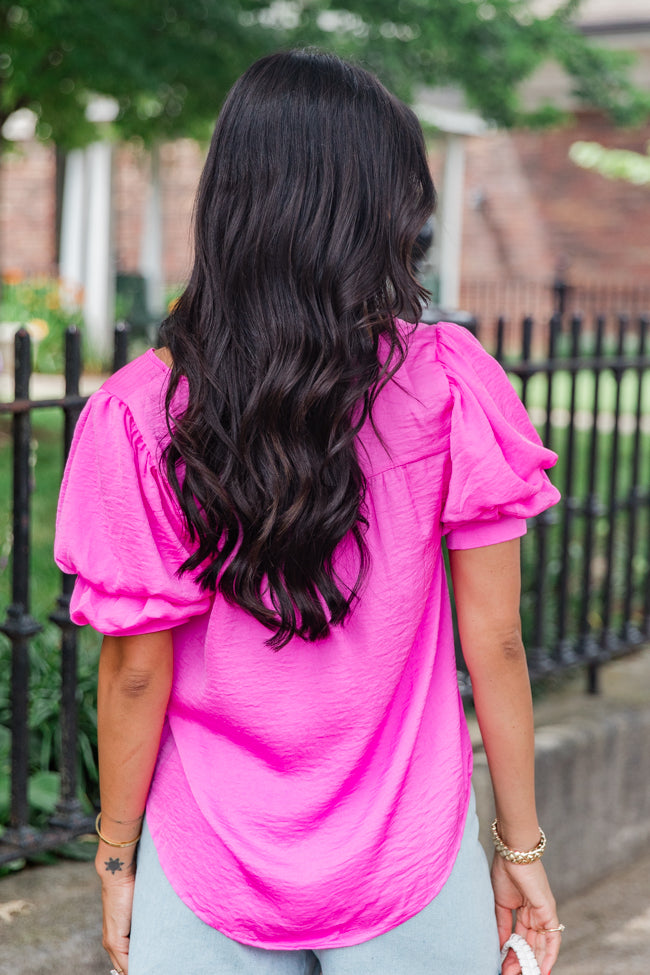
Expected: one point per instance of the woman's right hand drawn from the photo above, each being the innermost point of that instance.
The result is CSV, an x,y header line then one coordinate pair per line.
x,y
135,678
524,888
117,874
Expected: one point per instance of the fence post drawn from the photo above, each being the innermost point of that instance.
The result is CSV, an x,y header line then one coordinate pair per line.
x,y
500,346
593,509
560,294
610,640
69,812
19,625
538,655
632,632
121,347
571,505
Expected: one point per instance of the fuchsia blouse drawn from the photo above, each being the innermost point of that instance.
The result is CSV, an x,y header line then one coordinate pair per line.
x,y
313,797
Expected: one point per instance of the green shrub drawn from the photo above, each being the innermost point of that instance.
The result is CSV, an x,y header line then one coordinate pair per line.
x,y
37,303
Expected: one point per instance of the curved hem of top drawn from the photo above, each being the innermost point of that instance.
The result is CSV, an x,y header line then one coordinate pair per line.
x,y
350,940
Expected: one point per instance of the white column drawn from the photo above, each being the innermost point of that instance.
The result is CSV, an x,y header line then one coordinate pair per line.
x,y
99,295
450,222
151,244
73,211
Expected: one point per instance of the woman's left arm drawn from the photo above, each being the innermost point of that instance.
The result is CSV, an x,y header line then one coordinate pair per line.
x,y
487,588
135,679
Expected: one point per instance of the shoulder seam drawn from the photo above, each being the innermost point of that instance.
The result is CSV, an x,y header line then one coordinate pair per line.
x,y
118,398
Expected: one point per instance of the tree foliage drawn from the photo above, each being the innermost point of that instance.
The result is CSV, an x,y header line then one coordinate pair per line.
x,y
487,47
169,64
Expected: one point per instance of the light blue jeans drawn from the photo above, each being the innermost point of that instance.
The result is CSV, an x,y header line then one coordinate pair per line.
x,y
455,934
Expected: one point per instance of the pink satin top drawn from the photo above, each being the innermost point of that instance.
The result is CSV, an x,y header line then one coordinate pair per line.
x,y
313,797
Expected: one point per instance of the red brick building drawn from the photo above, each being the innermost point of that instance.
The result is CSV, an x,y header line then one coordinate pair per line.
x,y
29,201
527,210
530,213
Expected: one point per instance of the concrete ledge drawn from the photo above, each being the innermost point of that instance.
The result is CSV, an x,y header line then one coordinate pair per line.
x,y
593,777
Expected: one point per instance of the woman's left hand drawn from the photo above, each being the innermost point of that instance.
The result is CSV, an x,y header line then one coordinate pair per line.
x,y
524,888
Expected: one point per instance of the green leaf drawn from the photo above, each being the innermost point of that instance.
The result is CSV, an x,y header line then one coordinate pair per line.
x,y
82,849
12,867
43,791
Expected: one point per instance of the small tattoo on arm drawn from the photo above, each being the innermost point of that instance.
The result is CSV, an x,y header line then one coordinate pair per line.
x,y
114,864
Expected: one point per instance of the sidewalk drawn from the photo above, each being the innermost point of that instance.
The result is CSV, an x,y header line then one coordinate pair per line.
x,y
607,928
57,928
47,387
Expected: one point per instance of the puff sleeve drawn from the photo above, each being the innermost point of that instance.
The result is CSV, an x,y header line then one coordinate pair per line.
x,y
497,463
119,529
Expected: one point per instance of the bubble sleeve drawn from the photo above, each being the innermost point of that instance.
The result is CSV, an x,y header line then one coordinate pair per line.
x,y
120,529
497,463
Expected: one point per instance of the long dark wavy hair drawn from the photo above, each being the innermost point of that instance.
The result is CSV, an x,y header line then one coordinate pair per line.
x,y
314,189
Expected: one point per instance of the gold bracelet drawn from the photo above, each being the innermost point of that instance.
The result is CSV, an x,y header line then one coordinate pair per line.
x,y
110,842
517,856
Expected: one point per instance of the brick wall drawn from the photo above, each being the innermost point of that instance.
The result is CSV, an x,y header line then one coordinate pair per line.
x,y
130,187
181,164
599,226
28,206
504,234
28,209
529,210
180,168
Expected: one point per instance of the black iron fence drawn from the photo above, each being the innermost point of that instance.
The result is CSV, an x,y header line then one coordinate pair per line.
x,y
20,839
586,563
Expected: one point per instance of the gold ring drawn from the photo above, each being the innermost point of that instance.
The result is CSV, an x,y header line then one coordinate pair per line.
x,y
559,928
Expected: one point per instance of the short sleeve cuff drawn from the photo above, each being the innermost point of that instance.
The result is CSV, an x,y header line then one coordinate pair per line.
x,y
128,615
489,533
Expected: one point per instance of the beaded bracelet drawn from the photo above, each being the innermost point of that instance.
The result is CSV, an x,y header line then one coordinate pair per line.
x,y
111,842
517,856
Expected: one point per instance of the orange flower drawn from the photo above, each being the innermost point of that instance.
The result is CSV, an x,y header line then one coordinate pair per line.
x,y
38,328
12,275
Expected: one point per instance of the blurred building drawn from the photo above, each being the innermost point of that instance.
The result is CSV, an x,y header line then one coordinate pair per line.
x,y
30,201
526,213
532,217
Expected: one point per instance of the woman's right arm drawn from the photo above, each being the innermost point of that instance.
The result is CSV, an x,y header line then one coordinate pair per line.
x,y
487,591
135,678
